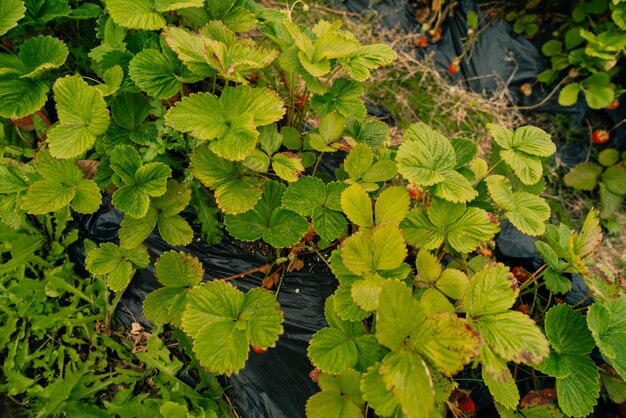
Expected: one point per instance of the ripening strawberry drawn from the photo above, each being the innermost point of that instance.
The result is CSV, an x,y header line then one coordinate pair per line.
x,y
467,405
423,42
520,273
523,308
258,350
453,68
526,89
600,136
614,105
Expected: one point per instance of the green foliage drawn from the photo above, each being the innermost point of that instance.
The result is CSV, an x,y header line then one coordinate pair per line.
x,y
428,159
177,108
609,176
577,377
278,226
462,228
83,117
224,321
508,335
176,271
588,53
119,265
61,183
230,121
22,92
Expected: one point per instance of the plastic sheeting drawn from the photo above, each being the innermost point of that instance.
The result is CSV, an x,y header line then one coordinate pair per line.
x,y
272,384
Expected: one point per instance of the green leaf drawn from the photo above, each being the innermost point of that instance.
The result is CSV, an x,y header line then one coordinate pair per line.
x,y
278,226
446,341
598,96
62,184
175,230
513,336
504,391
178,269
262,103
344,96
117,263
328,224
583,176
607,322
405,374
287,166
236,189
134,231
427,158
162,305
331,404
465,150
174,200
552,47
567,331
41,54
333,350
222,322
340,396
113,78
614,178
611,202
144,14
158,75
130,110
358,161
373,133
527,212
87,197
83,117
231,120
330,130
366,58
377,395
190,48
21,97
522,150
568,96
461,227
608,157
392,205
231,57
578,392
47,196
304,195
491,291
11,11
150,180
357,206
399,313
556,283
383,249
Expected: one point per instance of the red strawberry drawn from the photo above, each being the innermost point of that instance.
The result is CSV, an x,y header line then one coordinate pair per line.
x,y
467,405
258,349
600,136
613,105
453,68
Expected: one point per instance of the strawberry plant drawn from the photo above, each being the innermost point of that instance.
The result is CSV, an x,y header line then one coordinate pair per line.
x,y
587,54
186,117
607,175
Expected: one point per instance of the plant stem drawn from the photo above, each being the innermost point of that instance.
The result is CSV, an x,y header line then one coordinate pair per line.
x,y
541,103
319,158
262,268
